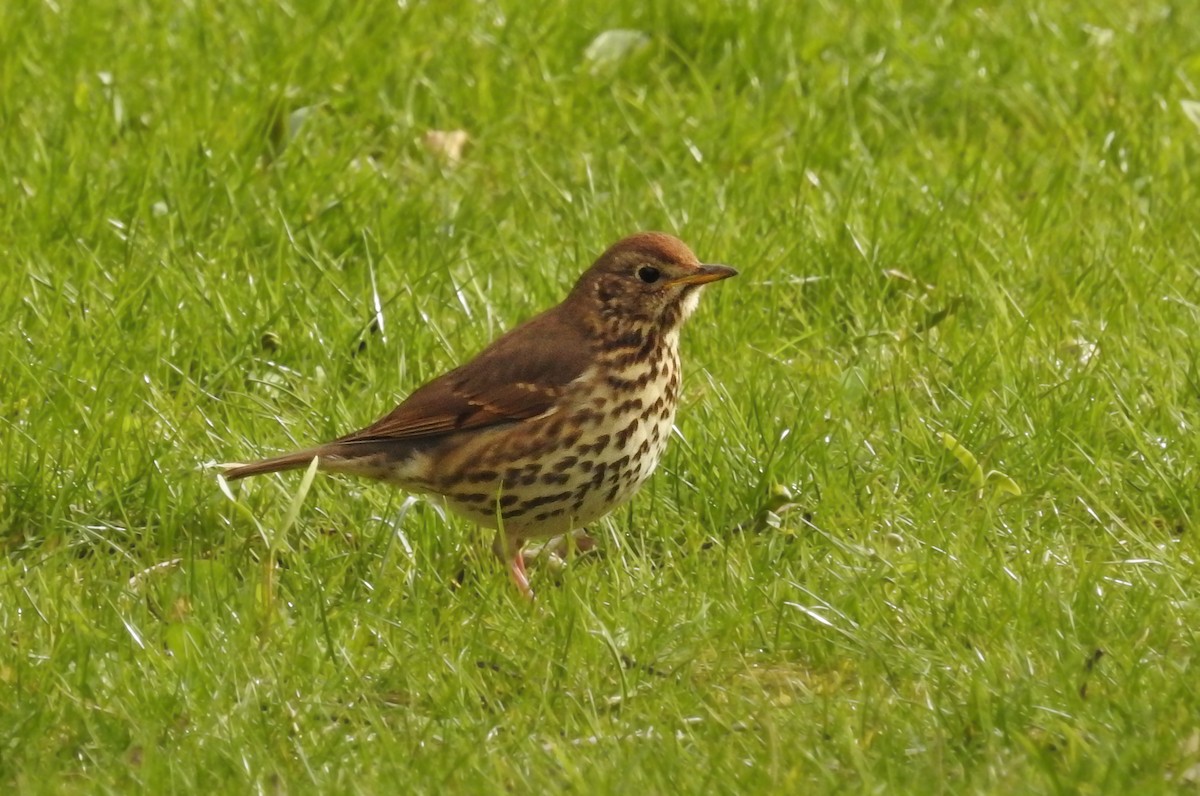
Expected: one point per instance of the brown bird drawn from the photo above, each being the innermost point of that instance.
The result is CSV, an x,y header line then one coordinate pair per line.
x,y
554,424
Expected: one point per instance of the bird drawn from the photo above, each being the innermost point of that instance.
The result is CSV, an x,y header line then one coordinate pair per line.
x,y
555,423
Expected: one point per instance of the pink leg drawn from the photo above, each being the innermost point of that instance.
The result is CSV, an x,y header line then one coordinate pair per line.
x,y
516,569
509,551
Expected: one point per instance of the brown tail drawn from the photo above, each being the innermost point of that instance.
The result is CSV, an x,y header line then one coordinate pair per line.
x,y
288,461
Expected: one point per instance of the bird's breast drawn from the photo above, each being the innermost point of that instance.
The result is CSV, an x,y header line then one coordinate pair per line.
x,y
577,462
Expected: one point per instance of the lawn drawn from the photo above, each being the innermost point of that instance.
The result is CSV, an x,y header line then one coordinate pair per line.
x,y
929,524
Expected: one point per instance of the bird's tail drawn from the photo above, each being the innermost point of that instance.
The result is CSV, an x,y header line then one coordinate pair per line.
x,y
288,461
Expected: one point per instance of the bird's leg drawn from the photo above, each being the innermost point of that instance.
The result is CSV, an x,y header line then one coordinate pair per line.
x,y
509,551
516,569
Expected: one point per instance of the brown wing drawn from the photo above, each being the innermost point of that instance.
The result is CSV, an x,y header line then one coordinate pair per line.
x,y
519,376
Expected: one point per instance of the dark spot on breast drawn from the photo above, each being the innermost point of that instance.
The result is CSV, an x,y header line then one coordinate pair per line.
x,y
630,339
644,448
624,435
557,497
598,475
556,478
596,447
563,465
527,474
632,405
473,497
612,493
545,515
482,476
508,500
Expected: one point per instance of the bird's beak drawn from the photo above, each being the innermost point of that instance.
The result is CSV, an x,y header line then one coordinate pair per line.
x,y
704,274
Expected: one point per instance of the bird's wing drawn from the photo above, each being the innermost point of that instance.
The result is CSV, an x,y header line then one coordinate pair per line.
x,y
517,377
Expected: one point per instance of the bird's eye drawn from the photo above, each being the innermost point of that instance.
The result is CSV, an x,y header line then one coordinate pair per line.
x,y
648,274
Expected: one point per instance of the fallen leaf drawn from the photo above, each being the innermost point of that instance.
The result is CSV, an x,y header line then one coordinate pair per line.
x,y
1191,109
613,46
446,144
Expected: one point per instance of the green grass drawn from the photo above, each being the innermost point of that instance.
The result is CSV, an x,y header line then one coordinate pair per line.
x,y
950,219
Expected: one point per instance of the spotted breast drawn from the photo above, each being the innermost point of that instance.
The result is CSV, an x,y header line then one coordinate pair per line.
x,y
575,464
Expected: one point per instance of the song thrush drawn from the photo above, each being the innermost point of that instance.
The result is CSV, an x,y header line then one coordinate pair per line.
x,y
554,424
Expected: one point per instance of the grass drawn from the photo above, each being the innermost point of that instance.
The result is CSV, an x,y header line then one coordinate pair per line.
x,y
970,262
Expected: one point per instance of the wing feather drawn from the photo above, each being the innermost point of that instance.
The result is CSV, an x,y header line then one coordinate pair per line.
x,y
519,376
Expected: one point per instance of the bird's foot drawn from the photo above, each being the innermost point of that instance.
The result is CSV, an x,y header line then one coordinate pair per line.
x,y
556,551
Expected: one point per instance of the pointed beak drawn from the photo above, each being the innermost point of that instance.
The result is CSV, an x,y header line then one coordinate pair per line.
x,y
705,274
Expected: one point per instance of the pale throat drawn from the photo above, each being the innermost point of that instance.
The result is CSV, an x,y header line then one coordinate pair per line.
x,y
691,300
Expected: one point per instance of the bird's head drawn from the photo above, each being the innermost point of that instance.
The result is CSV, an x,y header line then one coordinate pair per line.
x,y
647,279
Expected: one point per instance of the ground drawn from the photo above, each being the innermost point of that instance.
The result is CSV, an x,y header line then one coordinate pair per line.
x,y
930,520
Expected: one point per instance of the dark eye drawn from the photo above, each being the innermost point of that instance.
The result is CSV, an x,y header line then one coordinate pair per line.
x,y
648,274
